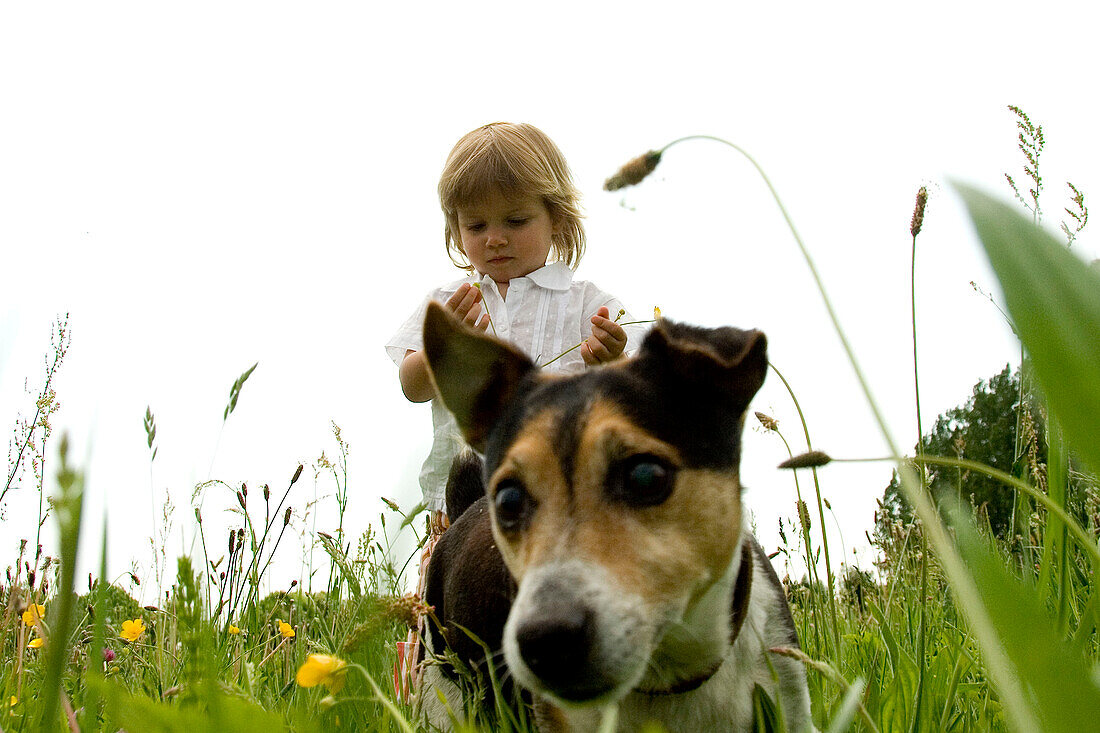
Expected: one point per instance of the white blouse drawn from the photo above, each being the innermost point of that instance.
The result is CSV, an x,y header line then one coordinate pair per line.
x,y
546,313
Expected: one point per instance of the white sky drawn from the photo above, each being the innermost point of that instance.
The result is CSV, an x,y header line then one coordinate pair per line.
x,y
208,185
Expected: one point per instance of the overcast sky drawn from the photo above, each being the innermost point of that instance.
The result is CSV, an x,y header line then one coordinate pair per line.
x,y
207,185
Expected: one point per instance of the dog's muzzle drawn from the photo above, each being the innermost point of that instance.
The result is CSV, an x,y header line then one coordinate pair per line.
x,y
560,638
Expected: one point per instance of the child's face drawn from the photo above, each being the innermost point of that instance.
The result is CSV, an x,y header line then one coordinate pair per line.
x,y
506,238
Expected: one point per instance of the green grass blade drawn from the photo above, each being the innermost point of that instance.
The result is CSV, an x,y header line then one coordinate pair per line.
x,y
341,559
68,505
1054,300
848,709
94,670
1063,692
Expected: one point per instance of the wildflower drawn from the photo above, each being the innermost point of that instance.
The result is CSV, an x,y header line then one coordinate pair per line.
x,y
108,654
33,614
234,630
286,630
633,172
132,630
321,669
36,643
14,701
656,312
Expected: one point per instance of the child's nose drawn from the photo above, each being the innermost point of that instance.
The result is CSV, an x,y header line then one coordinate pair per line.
x,y
495,237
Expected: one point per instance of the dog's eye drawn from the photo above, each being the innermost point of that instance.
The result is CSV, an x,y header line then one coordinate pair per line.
x,y
643,481
512,504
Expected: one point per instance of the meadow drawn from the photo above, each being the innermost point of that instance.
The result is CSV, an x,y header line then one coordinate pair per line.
x,y
955,628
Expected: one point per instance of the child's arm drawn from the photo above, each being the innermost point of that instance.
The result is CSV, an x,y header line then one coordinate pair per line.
x,y
607,341
416,384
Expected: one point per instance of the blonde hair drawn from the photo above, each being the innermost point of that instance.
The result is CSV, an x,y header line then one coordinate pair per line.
x,y
517,160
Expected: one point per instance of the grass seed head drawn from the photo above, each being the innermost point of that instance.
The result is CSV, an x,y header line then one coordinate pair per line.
x,y
811,459
918,211
633,172
767,422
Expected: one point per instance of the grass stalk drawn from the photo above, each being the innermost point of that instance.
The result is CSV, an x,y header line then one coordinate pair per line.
x,y
67,508
811,566
1086,541
914,229
963,586
835,626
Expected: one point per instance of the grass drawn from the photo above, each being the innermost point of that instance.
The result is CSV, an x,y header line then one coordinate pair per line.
x,y
951,630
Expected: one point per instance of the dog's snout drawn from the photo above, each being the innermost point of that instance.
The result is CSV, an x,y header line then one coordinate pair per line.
x,y
555,644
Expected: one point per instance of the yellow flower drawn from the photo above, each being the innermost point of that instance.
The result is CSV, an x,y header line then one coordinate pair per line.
x,y
656,313
132,630
35,643
33,613
321,669
14,700
234,630
286,630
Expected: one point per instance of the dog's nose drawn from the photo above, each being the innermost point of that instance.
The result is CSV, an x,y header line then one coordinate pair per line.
x,y
555,646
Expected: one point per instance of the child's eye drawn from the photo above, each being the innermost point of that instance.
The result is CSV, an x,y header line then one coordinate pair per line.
x,y
518,221
475,227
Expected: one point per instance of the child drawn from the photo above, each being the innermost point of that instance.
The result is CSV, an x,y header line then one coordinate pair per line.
x,y
509,203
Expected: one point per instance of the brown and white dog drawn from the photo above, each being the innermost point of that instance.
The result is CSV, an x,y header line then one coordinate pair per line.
x,y
608,556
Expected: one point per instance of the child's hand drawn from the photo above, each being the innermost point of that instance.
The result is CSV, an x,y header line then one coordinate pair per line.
x,y
607,341
466,305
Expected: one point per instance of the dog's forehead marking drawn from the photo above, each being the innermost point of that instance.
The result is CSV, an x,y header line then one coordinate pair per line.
x,y
533,456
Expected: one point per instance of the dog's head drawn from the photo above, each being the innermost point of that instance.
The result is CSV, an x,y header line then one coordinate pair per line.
x,y
615,500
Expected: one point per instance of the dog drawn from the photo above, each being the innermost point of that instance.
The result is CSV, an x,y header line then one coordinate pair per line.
x,y
601,542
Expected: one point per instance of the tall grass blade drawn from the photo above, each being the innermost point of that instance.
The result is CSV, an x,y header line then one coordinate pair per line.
x,y
1054,300
94,671
341,559
848,709
1063,692
68,506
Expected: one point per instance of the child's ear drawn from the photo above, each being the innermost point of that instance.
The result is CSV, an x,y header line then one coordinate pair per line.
x,y
475,375
557,220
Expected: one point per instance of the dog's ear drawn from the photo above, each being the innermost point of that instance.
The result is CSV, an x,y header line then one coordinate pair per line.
x,y
475,375
727,364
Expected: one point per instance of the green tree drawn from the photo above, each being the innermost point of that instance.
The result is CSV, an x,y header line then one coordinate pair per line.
x,y
983,429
